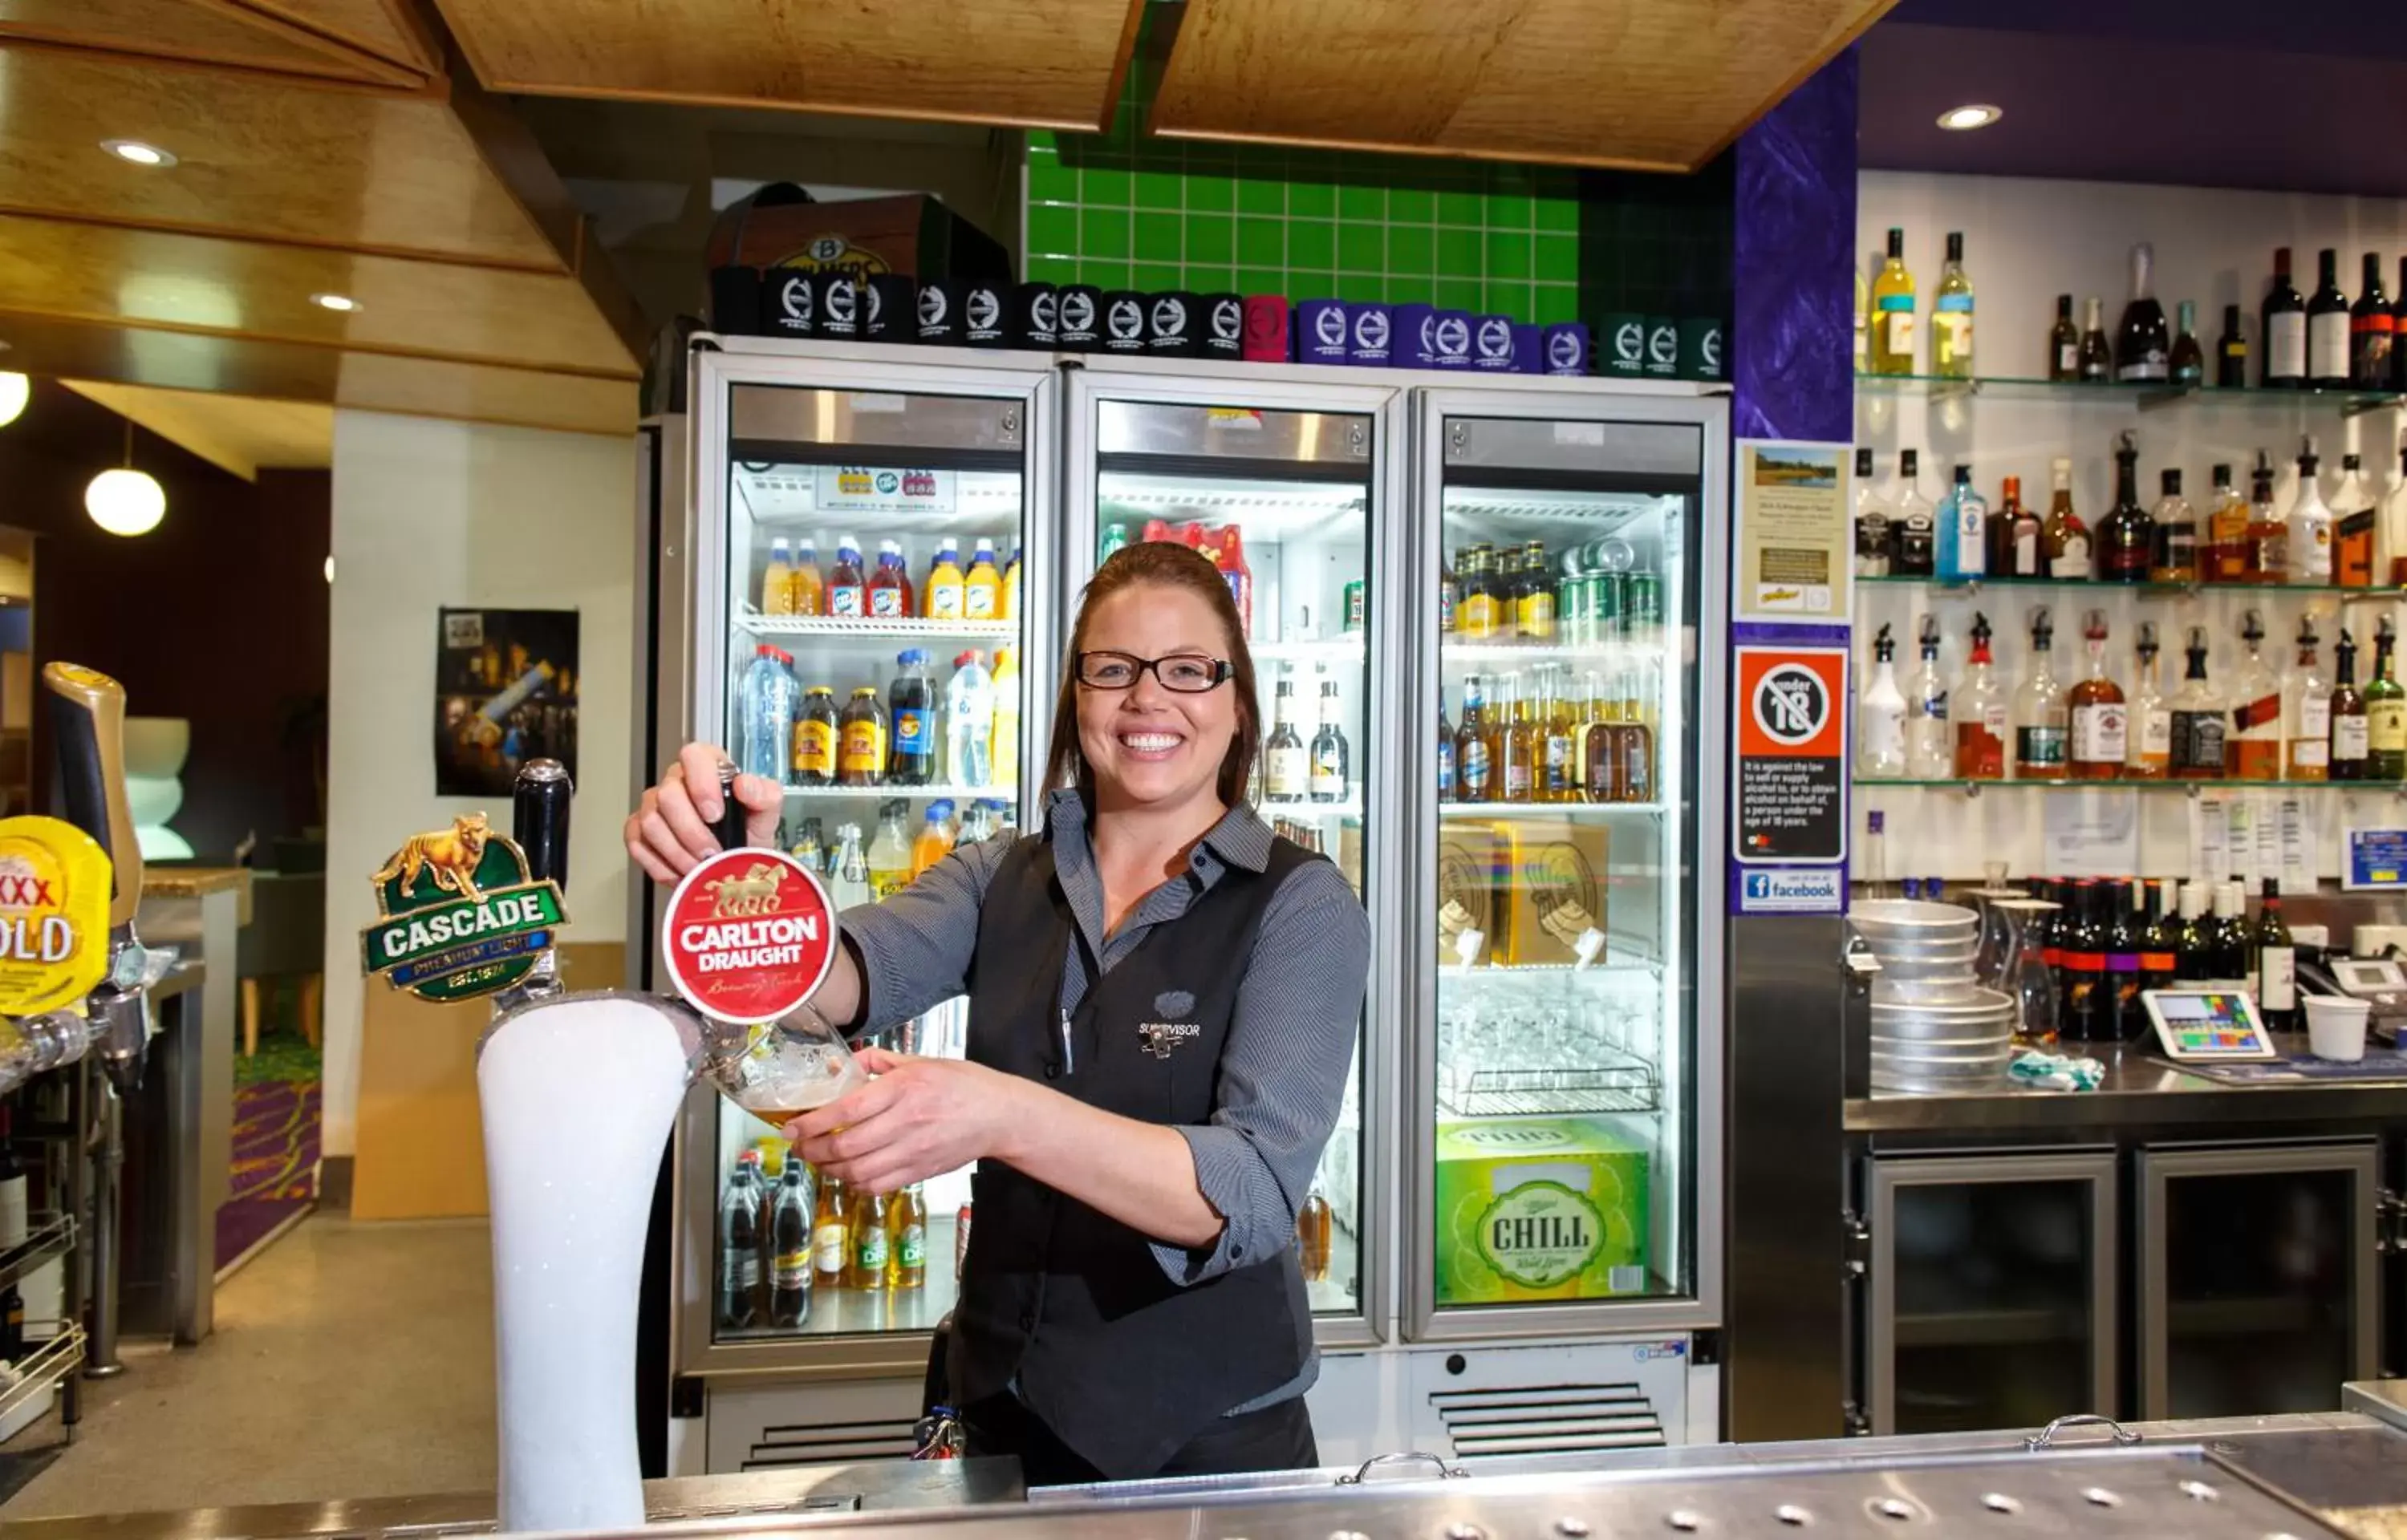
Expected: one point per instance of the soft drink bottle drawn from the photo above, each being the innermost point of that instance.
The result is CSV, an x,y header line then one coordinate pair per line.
x,y
847,591
1009,597
739,1247
1116,535
1003,742
809,587
982,585
1157,529
768,713
943,591
789,1250
1240,577
969,717
911,705
777,581
889,586
936,840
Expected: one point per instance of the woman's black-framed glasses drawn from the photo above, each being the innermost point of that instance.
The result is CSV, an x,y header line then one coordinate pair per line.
x,y
1188,674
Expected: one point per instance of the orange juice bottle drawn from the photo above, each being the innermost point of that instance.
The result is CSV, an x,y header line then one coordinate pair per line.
x,y
982,587
1011,589
943,595
777,581
809,589
1003,753
936,840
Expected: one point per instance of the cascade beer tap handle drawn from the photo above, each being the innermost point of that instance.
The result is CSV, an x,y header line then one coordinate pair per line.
x,y
539,819
729,830
88,720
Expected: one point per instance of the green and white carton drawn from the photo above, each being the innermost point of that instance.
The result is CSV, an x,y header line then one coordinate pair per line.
x,y
1539,1209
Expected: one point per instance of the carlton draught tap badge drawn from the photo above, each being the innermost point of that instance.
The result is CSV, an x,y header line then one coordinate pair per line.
x,y
54,884
461,917
749,935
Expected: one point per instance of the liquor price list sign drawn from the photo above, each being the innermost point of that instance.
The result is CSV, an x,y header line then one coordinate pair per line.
x,y
1788,780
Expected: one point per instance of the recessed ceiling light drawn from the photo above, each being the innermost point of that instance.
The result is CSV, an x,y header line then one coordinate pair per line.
x,y
138,152
1975,115
342,303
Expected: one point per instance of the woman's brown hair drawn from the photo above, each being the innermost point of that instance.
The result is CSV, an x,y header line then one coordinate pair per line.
x,y
1164,565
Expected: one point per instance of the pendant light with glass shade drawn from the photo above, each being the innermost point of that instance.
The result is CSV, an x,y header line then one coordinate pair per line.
x,y
127,501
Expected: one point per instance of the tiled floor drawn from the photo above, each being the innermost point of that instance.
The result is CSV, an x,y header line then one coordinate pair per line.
x,y
349,1360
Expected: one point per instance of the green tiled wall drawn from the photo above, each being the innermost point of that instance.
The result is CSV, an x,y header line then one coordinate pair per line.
x,y
1125,211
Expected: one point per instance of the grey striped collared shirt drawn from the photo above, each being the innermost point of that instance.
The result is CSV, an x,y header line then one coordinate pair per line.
x,y
1284,1065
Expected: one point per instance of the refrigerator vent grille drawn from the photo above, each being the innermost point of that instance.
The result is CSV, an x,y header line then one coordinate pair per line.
x,y
829,1443
1520,1421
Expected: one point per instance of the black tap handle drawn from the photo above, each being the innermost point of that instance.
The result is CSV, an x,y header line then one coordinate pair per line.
x,y
539,818
729,829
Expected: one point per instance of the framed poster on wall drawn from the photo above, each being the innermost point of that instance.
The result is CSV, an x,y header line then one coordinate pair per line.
x,y
504,693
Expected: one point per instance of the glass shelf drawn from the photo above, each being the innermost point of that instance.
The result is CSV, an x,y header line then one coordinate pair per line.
x,y
1455,652
877,631
916,794
1350,806
2152,590
2147,397
1336,649
1867,783
1544,810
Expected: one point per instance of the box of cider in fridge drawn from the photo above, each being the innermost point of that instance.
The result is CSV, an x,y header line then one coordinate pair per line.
x,y
1538,1208
1550,898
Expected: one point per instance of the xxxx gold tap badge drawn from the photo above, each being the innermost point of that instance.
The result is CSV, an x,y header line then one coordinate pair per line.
x,y
460,917
749,935
54,881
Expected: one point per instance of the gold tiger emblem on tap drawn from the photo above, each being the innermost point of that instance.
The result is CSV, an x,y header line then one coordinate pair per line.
x,y
449,856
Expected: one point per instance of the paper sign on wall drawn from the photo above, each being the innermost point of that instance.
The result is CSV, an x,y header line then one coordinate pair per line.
x,y
1796,549
2375,858
2091,833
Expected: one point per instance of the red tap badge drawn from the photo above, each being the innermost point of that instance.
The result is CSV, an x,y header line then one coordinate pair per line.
x,y
750,935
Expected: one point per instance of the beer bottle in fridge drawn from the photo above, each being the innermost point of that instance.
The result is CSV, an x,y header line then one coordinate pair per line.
x,y
872,1251
831,1235
739,1246
907,1237
1313,1229
789,1249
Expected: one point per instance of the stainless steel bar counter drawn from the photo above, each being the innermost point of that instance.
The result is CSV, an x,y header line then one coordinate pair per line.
x,y
2139,1091
2251,1478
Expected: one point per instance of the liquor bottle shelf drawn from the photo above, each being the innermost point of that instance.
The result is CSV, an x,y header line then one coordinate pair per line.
x,y
1973,787
1970,586
2148,396
1551,810
903,629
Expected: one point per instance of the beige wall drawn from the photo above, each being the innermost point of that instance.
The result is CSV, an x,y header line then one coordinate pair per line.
x,y
432,514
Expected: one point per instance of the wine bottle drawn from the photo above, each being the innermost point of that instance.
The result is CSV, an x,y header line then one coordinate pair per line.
x,y
2121,1007
2064,343
2189,362
2399,329
2327,323
2141,348
1951,316
1892,350
2230,353
2386,712
2097,357
2370,328
2126,536
2275,973
2159,945
2086,1018
2284,329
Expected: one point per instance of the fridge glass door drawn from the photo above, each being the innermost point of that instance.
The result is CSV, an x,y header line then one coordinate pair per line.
x,y
1281,501
1562,1145
873,628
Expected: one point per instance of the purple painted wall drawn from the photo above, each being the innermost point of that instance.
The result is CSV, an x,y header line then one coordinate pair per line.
x,y
1792,335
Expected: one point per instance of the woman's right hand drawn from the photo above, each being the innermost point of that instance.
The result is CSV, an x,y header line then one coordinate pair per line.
x,y
669,832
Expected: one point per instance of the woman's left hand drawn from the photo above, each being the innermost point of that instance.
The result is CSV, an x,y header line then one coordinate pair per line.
x,y
917,1118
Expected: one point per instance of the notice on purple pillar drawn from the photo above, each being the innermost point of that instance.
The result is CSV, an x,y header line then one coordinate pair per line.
x,y
1795,549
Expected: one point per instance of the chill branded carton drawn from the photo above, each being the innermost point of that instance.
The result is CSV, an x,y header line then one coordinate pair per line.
x,y
1539,1209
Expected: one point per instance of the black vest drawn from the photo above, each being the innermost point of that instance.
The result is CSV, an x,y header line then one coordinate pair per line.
x,y
1123,1364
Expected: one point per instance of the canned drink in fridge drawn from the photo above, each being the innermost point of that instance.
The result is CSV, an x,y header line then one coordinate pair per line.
x,y
1605,604
1644,600
1575,611
1354,606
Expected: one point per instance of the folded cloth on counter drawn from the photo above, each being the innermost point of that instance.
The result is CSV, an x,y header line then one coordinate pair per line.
x,y
2056,1071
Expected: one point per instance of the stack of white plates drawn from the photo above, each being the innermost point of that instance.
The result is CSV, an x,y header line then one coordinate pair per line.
x,y
1934,1027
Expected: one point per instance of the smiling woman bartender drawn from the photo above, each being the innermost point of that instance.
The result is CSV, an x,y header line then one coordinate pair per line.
x,y
1163,1000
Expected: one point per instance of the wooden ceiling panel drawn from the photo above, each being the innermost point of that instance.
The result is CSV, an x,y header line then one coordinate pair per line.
x,y
241,435
181,361
367,170
1659,85
107,272
1038,63
188,31
389,29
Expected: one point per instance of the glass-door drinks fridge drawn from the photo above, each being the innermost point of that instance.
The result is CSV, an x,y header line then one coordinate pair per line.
x,y
873,628
1564,1177
1286,483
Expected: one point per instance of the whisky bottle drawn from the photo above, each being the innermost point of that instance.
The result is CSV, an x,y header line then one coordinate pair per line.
x,y
2198,721
2253,748
2149,718
2100,720
2306,712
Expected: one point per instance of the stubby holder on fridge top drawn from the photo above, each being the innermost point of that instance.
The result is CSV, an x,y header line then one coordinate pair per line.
x,y
749,935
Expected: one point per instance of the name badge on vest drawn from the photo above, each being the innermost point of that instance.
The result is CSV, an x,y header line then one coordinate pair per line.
x,y
1159,1037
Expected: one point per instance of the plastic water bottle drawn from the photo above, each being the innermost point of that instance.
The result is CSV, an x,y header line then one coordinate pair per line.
x,y
768,713
969,717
